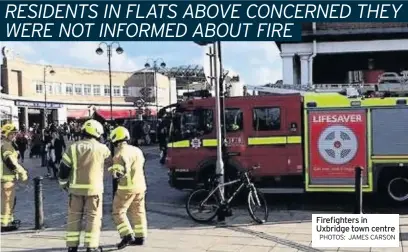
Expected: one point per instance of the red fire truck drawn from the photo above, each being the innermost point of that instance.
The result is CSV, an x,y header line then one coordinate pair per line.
x,y
302,143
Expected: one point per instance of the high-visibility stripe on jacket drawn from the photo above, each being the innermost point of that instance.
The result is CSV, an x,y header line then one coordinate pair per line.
x,y
131,160
86,159
8,152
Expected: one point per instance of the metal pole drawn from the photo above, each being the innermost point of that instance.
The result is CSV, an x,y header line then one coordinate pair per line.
x,y
222,108
110,81
358,190
45,99
170,92
114,181
211,70
38,202
157,89
220,163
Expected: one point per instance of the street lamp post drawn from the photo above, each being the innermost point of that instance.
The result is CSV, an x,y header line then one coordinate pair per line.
x,y
99,51
156,65
50,70
218,78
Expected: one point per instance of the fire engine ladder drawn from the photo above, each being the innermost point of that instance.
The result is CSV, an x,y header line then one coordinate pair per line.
x,y
350,90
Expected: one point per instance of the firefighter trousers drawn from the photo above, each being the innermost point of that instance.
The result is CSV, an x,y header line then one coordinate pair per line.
x,y
89,207
130,204
7,203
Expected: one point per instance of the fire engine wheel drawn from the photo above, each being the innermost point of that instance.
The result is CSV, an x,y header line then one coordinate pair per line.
x,y
201,202
397,189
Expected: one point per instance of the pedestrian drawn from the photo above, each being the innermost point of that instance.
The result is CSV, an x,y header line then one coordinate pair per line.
x,y
163,139
128,167
11,171
36,145
22,144
59,145
52,154
81,173
46,138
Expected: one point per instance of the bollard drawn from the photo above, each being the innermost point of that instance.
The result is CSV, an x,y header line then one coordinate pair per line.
x,y
38,200
358,190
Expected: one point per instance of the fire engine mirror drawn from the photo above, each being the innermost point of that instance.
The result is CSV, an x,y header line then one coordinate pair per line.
x,y
311,104
401,102
355,103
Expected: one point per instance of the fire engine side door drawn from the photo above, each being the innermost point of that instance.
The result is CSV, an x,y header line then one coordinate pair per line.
x,y
235,136
294,127
267,136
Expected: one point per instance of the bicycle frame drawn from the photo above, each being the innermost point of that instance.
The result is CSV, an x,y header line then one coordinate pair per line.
x,y
218,189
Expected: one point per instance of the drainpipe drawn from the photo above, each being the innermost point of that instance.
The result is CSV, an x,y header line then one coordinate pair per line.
x,y
312,56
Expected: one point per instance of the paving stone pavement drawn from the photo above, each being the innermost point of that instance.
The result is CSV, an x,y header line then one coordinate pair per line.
x,y
170,229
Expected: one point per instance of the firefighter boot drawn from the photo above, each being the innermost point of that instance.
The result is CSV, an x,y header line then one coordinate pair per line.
x,y
94,249
73,249
126,241
138,241
15,225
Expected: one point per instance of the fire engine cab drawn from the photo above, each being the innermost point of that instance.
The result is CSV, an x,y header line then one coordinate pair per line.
x,y
308,142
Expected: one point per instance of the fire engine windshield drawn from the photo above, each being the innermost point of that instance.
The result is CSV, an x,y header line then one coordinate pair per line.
x,y
191,123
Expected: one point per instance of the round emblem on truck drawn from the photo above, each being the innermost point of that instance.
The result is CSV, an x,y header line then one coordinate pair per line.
x,y
196,143
337,144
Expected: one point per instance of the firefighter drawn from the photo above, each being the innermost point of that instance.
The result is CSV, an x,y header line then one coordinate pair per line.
x,y
11,171
81,174
128,166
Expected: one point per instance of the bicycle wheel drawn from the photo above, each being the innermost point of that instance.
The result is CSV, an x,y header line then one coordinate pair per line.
x,y
256,200
197,204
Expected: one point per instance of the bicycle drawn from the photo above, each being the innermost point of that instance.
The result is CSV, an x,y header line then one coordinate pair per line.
x,y
255,197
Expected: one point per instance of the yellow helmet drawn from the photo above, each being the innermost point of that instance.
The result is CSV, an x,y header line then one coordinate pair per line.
x,y
93,128
8,128
119,134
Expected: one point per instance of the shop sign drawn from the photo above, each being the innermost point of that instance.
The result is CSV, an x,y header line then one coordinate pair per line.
x,y
34,104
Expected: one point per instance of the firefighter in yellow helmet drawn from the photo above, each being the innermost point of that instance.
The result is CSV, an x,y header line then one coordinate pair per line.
x,y
81,173
129,200
11,171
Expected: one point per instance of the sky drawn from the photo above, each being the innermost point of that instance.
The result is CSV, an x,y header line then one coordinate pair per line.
x,y
257,63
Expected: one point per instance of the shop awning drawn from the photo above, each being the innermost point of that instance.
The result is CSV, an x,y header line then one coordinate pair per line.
x,y
78,113
122,114
116,114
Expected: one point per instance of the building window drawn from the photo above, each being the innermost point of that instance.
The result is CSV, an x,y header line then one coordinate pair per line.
x,y
125,91
87,89
265,119
49,87
116,90
78,89
106,90
234,120
39,87
97,90
69,89
57,88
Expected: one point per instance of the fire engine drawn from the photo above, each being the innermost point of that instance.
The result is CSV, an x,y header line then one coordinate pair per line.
x,y
302,142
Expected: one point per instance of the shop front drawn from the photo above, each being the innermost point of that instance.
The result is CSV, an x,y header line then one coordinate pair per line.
x,y
8,111
31,112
